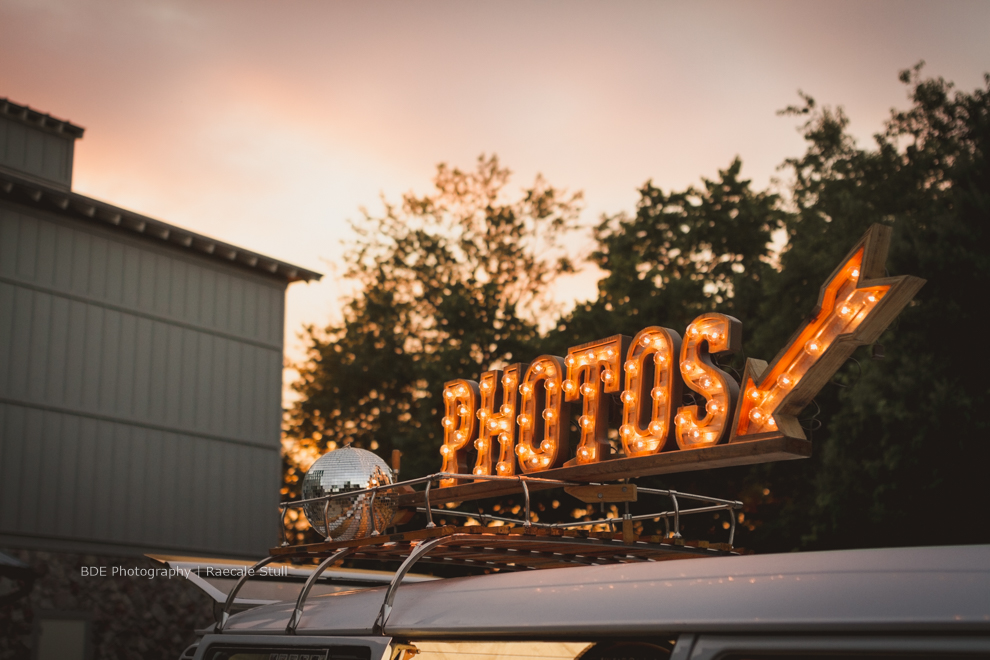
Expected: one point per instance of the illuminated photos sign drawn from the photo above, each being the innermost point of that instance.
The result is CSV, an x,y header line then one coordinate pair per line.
x,y
518,419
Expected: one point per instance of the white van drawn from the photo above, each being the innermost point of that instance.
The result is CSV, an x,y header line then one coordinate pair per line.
x,y
929,602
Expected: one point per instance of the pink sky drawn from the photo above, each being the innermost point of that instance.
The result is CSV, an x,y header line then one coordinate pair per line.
x,y
268,124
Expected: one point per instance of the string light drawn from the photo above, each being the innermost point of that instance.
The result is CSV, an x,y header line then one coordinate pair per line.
x,y
659,345
460,416
542,452
703,377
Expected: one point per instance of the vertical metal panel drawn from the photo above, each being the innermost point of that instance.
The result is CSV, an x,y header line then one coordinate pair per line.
x,y
67,456
7,293
33,471
46,254
38,348
86,508
15,145
110,365
17,377
12,451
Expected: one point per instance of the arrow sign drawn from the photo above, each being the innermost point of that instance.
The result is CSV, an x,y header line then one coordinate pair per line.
x,y
855,306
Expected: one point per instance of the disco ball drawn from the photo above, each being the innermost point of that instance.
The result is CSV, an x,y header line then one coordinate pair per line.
x,y
341,471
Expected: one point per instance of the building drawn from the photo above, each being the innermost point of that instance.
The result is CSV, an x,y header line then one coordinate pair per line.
x,y
140,380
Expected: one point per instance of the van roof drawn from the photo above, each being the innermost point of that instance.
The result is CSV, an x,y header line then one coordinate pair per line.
x,y
905,589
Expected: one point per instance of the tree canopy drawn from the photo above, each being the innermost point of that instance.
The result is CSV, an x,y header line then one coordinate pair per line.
x,y
449,284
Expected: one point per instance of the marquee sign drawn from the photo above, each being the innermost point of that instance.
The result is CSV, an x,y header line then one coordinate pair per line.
x,y
518,419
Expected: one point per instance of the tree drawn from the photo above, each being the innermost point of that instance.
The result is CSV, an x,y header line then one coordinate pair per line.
x,y
448,284
681,254
898,450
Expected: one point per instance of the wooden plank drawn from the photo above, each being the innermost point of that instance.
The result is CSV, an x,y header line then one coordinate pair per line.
x,y
766,450
593,494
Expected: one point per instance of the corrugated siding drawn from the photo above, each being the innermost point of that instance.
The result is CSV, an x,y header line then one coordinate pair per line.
x,y
139,392
36,152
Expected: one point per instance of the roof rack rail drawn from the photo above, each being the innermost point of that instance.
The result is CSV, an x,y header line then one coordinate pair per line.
x,y
513,545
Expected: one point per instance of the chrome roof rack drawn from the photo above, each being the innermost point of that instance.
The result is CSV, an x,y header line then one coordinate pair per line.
x,y
510,544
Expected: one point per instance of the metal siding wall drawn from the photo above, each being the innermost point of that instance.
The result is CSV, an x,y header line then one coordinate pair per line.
x,y
36,152
139,393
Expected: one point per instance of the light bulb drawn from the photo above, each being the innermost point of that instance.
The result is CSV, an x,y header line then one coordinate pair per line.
x,y
771,422
570,361
659,342
447,422
813,348
486,385
549,384
522,451
627,397
586,421
625,430
756,415
538,368
503,424
784,381
508,381
646,340
714,336
639,444
503,438
658,394
695,433
546,445
631,367
656,427
449,394
681,419
523,421
871,298
502,467
444,449
480,445
525,388
545,460
660,358
481,414
590,356
712,407
588,390
550,370
461,391
609,352
705,382
583,452
548,414
479,470
756,395
505,409
569,386
462,410
854,273
692,331
459,435
608,376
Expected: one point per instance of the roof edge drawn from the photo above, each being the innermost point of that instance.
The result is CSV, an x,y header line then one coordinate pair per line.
x,y
40,119
50,198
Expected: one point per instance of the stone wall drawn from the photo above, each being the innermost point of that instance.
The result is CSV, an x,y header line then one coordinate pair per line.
x,y
130,617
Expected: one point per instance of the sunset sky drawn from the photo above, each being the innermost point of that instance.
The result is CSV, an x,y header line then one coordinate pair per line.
x,y
269,124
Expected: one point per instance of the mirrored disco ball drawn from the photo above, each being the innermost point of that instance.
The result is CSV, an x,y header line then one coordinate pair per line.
x,y
341,471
